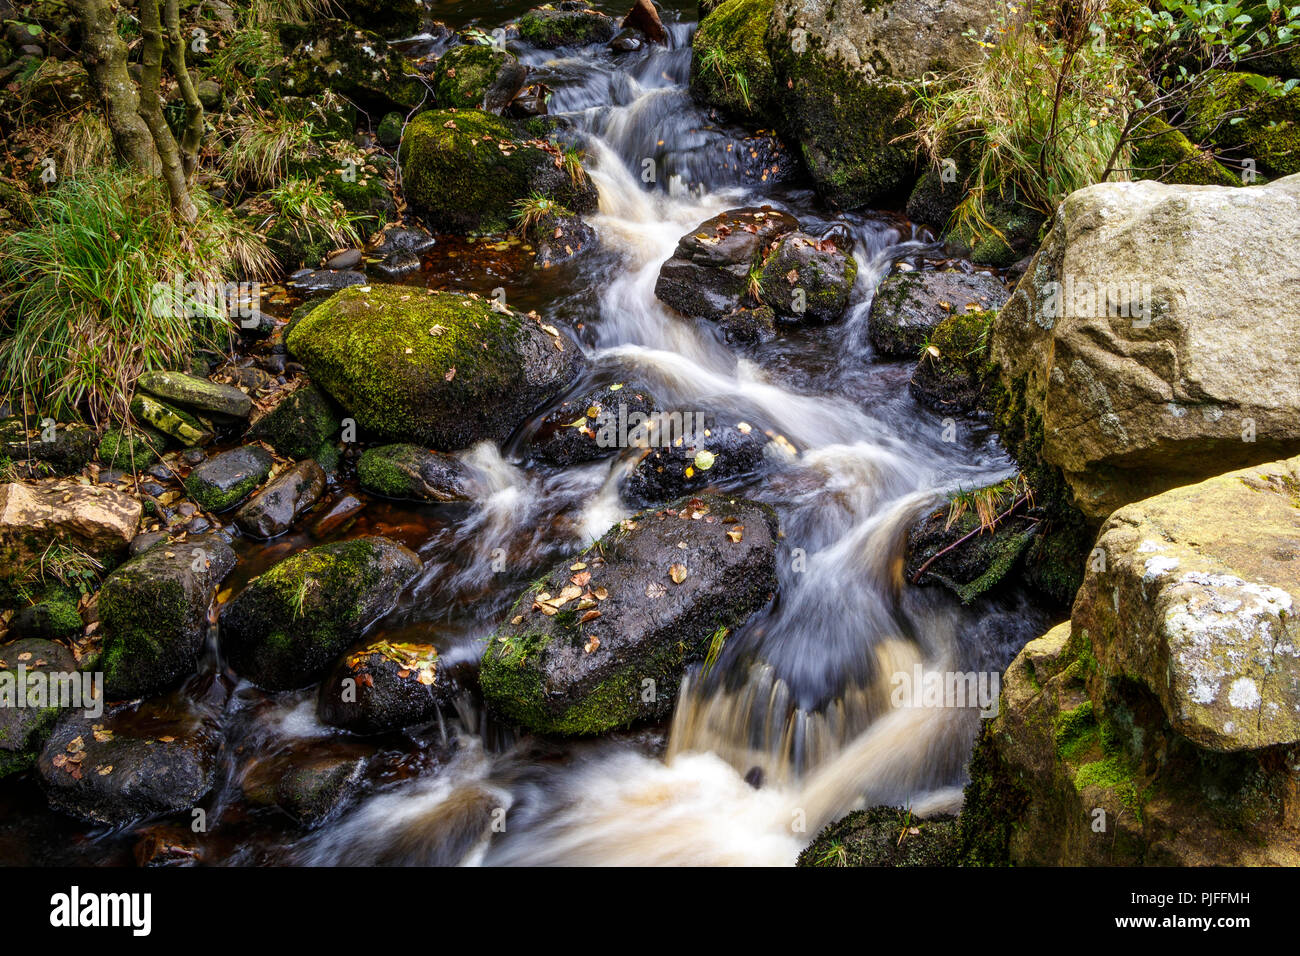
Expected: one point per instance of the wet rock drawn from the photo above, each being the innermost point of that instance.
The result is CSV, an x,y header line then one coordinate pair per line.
x,y
172,422
908,307
46,451
282,501
441,370
731,68
347,259
324,281
153,613
199,395
559,236
23,729
627,41
745,326
94,519
413,473
709,272
143,542
466,170
712,451
886,836
400,251
286,627
570,661
225,480
163,845
477,77
644,18
565,23
53,617
1137,365
807,279
136,760
338,516
356,64
599,423
384,685
532,100
312,787
298,425
389,130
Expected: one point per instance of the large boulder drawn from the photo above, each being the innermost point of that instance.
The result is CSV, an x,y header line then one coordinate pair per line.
x,y
805,278
566,23
841,70
153,611
602,638
441,369
466,171
709,272
1232,112
286,627
1146,346
730,67
95,519
1161,724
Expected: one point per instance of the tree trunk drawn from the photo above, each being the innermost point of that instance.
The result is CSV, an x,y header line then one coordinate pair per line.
x,y
105,57
151,108
193,135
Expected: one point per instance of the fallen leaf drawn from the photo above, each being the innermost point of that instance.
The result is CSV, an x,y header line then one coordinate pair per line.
x,y
678,573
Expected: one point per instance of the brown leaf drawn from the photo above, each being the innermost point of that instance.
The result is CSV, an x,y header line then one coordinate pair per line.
x,y
451,373
589,616
678,573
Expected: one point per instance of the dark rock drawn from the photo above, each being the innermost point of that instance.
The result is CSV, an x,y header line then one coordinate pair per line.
x,y
57,451
324,281
54,617
279,504
225,480
709,272
311,787
475,76
384,685
561,237
571,434
711,452
566,23
413,473
154,610
338,516
745,326
886,836
806,278
571,662
286,627
909,307
298,425
23,729
347,259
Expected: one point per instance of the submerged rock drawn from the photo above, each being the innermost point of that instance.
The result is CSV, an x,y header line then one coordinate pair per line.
x,y
908,307
710,270
312,787
285,628
441,369
413,473
603,638
1132,361
689,453
23,729
154,613
225,480
596,424
292,493
384,685
466,171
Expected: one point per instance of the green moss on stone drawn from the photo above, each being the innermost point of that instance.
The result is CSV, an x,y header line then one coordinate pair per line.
x,y
730,68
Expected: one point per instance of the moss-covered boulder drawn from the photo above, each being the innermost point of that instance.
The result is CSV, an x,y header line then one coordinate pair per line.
x,y
441,369
1166,154
1008,232
885,836
290,623
52,615
356,64
135,760
1235,113
602,639
466,170
730,66
1159,725
384,685
225,480
46,450
910,306
807,279
476,77
565,23
198,395
953,372
131,448
172,422
27,668
413,473
153,613
298,424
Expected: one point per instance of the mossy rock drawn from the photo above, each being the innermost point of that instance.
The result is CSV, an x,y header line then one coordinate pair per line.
x,y
584,658
565,24
153,610
290,623
298,425
885,836
23,729
439,369
136,448
356,64
805,279
1166,154
478,77
1232,112
225,480
953,372
198,395
53,616
458,174
172,422
365,194
66,452
730,66
384,685
1008,234
412,473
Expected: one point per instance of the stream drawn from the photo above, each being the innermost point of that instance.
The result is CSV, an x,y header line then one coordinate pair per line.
x,y
792,726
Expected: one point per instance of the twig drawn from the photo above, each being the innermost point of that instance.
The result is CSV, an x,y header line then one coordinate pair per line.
x,y
966,537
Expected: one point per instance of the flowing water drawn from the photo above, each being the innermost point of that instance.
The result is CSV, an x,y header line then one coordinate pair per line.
x,y
793,725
